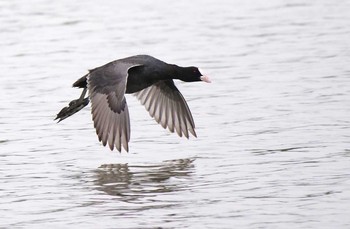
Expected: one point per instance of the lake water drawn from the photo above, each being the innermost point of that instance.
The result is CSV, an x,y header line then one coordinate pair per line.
x,y
273,146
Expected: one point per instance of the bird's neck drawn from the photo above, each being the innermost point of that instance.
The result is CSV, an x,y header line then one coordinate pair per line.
x,y
175,71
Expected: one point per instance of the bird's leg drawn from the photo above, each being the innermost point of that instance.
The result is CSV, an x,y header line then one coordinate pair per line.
x,y
83,94
73,107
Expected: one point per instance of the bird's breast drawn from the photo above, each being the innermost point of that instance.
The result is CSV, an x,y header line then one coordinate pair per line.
x,y
136,83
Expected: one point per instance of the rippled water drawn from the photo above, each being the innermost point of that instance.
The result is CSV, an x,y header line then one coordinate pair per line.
x,y
273,146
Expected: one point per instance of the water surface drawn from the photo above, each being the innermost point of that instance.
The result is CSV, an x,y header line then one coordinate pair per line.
x,y
273,148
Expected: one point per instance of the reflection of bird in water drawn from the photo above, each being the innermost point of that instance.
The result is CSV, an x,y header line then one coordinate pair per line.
x,y
131,182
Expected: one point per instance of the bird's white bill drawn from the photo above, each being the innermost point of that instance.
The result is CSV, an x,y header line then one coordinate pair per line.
x,y
205,79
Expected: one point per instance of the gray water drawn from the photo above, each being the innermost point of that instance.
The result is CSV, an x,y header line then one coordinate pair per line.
x,y
273,146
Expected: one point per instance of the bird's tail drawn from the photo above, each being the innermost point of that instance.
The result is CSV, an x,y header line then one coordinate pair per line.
x,y
73,107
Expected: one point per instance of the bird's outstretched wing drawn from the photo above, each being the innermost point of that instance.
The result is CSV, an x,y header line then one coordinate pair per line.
x,y
110,113
167,106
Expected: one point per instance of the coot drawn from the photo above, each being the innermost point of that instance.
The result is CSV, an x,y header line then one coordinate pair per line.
x,y
150,80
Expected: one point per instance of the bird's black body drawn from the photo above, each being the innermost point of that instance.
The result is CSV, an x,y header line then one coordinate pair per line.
x,y
152,82
149,71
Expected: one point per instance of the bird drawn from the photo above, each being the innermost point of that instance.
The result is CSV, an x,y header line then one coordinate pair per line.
x,y
151,81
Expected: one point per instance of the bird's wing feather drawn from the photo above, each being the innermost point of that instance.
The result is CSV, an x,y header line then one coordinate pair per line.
x,y
110,112
167,106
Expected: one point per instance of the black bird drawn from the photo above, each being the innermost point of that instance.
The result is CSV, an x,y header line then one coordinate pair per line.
x,y
151,81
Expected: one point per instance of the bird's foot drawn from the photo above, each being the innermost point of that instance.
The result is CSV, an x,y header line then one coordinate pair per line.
x,y
73,107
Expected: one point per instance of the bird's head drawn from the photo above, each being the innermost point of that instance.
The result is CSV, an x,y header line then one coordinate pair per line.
x,y
192,74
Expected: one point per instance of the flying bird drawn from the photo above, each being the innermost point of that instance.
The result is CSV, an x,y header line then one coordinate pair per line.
x,y
150,80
